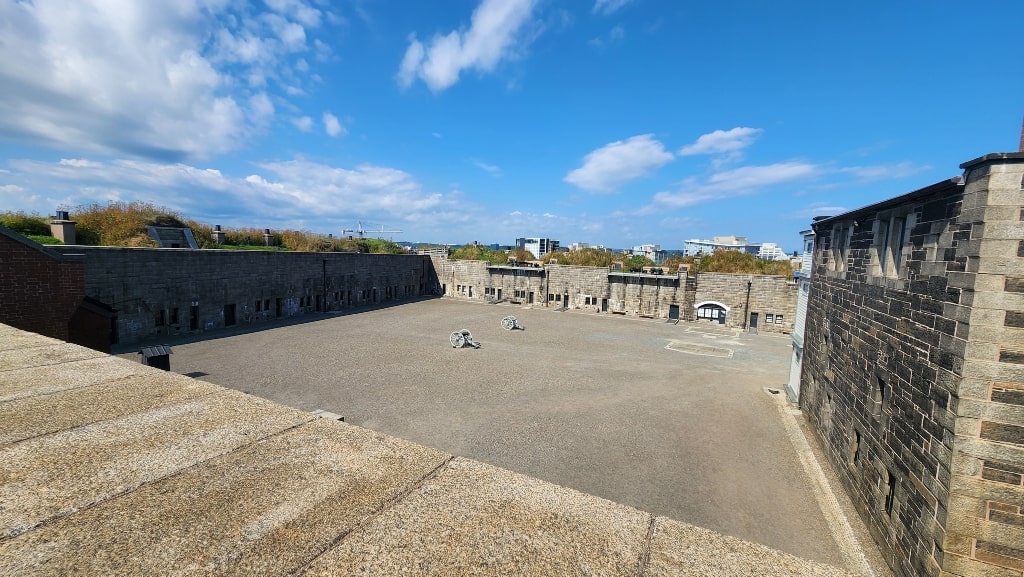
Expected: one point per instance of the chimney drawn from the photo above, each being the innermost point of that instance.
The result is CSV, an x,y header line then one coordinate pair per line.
x,y
218,234
62,227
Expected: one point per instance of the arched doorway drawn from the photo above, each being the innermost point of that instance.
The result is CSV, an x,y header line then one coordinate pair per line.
x,y
712,311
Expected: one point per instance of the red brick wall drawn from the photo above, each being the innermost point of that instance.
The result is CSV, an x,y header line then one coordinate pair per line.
x,y
38,291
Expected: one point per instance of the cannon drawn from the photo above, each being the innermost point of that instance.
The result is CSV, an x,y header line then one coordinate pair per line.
x,y
509,323
463,338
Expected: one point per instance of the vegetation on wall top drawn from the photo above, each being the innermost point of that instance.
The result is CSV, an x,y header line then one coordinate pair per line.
x,y
125,224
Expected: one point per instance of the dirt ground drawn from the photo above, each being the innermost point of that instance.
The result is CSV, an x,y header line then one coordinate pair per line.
x,y
671,419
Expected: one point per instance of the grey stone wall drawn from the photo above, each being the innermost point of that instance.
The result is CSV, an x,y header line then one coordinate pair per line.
x,y
768,295
912,374
170,291
985,512
633,294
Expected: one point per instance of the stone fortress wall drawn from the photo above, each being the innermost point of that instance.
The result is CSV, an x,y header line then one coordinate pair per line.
x,y
39,289
913,373
167,292
173,291
632,294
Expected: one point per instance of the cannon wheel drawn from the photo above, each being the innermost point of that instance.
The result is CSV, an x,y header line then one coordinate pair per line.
x,y
508,323
457,340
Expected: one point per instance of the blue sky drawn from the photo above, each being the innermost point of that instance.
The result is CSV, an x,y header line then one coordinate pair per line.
x,y
610,122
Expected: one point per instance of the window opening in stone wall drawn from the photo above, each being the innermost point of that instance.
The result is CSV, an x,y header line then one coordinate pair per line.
x,y
889,242
710,312
229,315
890,492
174,316
877,396
881,396
840,244
769,318
854,449
899,226
826,412
883,254
778,319
259,306
159,320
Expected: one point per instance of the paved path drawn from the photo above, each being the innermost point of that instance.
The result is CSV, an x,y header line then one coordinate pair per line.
x,y
597,403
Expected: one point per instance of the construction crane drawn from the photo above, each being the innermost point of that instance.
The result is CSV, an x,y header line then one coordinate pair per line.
x,y
362,231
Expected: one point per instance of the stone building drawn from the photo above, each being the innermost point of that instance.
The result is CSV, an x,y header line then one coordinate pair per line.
x,y
40,289
913,369
803,281
138,294
159,292
767,303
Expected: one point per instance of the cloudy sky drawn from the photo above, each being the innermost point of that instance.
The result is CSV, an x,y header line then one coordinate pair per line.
x,y
612,122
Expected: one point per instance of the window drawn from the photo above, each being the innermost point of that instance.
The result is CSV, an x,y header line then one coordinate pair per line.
x,y
174,316
159,320
266,307
710,312
778,319
889,241
840,246
769,318
854,448
259,306
887,487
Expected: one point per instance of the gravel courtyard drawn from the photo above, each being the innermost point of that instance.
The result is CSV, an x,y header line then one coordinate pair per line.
x,y
594,402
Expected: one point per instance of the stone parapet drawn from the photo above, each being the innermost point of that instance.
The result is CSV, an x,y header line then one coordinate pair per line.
x,y
160,473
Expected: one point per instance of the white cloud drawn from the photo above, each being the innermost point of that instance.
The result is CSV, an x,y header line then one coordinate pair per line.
x,y
298,10
722,141
79,162
818,209
614,164
304,123
606,7
160,79
278,192
261,109
614,36
881,171
496,33
487,167
10,188
736,182
333,126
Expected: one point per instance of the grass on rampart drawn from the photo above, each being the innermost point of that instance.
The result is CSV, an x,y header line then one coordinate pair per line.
x,y
125,224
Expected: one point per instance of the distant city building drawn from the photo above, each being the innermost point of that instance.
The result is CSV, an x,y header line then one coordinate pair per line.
x,y
578,246
695,247
651,251
538,246
772,251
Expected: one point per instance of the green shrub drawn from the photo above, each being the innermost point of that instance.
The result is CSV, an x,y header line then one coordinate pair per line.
x,y
26,224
